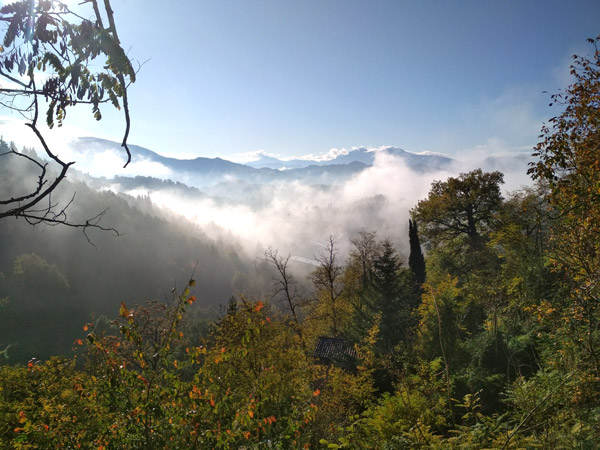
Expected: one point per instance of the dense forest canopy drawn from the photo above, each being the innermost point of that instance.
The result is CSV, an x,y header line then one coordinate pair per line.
x,y
488,339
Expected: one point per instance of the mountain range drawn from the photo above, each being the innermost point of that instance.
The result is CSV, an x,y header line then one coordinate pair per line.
x,y
204,172
362,155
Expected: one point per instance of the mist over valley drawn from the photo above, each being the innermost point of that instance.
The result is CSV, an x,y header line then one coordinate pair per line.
x,y
265,204
208,217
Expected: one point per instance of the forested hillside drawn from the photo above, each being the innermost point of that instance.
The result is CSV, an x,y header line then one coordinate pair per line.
x,y
54,278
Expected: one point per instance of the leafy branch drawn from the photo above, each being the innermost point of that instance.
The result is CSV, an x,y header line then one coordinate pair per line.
x,y
47,60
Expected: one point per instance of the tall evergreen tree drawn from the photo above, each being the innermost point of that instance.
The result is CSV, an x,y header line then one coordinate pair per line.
x,y
390,301
416,260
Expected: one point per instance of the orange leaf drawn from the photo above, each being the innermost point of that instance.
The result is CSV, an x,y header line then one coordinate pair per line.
x,y
123,311
317,392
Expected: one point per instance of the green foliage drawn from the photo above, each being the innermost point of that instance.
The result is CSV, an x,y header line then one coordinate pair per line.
x,y
553,409
38,300
138,373
33,272
409,418
395,298
440,319
256,380
462,206
569,163
51,405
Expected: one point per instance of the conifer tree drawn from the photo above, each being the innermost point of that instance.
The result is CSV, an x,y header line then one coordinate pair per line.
x,y
416,260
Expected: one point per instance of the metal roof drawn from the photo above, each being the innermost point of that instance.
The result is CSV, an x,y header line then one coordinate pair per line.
x,y
334,349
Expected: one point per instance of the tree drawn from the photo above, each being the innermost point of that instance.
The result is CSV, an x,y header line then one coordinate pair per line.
x,y
358,279
365,249
287,290
39,302
47,62
416,260
390,301
569,160
460,207
327,280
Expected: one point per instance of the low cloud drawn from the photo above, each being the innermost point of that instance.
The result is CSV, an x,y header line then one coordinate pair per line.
x,y
96,160
296,216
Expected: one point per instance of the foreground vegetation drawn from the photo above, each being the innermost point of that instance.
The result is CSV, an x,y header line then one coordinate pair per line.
x,y
491,341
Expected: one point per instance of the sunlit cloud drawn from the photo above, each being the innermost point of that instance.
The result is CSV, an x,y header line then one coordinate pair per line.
x,y
251,156
328,156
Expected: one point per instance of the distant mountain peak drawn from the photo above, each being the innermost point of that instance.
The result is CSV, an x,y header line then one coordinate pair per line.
x,y
358,154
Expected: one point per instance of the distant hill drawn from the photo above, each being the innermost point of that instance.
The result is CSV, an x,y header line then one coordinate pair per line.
x,y
208,172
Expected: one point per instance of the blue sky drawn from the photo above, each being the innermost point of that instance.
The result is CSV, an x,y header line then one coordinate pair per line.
x,y
231,77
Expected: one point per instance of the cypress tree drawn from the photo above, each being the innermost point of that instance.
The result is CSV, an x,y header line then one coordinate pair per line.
x,y
416,260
